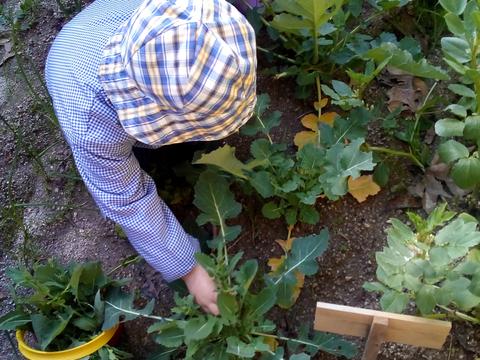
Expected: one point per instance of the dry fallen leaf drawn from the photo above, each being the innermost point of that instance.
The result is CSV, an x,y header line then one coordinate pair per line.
x,y
362,187
407,92
434,185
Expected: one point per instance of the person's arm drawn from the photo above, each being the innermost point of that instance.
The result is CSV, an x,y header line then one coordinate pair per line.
x,y
128,196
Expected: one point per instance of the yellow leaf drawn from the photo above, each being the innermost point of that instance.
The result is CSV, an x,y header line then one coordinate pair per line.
x,y
328,118
362,187
271,342
285,244
310,121
305,137
298,287
275,263
322,104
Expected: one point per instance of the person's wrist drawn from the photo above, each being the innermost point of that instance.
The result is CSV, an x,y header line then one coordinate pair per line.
x,y
190,275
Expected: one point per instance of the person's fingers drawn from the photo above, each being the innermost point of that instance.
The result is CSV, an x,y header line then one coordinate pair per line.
x,y
213,309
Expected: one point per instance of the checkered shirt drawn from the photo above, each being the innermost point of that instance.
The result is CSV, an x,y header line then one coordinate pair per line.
x,y
101,146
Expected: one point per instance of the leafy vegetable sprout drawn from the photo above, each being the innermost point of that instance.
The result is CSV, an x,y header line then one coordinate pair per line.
x,y
436,266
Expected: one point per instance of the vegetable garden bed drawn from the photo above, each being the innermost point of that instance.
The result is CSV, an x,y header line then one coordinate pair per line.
x,y
380,117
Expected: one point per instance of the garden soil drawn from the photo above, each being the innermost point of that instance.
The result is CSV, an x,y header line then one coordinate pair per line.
x,y
58,218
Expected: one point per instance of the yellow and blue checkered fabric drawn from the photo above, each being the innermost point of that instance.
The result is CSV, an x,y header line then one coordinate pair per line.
x,y
181,91
181,71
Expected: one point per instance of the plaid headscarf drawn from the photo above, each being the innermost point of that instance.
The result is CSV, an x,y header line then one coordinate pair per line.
x,y
181,70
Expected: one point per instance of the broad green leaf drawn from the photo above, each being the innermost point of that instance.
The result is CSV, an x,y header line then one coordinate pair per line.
x,y
374,286
465,300
439,257
237,347
307,15
75,279
309,215
425,299
452,150
456,66
120,305
245,275
47,329
14,320
262,182
459,236
291,215
262,104
466,172
207,262
199,328
403,60
261,303
458,110
304,253
394,301
216,203
170,336
381,174
262,124
272,210
85,323
228,306
472,128
474,287
329,343
224,158
342,162
449,127
341,88
457,49
455,24
290,24
454,6
462,90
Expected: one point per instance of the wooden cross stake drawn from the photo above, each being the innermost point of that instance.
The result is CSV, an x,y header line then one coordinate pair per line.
x,y
379,327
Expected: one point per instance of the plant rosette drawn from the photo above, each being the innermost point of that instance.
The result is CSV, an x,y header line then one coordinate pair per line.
x,y
60,311
437,266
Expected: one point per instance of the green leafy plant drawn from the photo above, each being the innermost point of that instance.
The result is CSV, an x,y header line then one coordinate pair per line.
x,y
62,306
316,39
242,329
461,53
292,184
436,265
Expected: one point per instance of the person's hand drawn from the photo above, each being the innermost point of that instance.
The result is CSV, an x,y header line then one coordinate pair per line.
x,y
203,289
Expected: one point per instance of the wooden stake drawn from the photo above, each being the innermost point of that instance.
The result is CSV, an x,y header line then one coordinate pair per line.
x,y
403,329
376,337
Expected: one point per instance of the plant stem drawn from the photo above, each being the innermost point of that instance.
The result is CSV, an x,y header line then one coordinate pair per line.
x,y
137,313
395,153
281,57
473,65
459,314
263,125
283,338
319,99
124,263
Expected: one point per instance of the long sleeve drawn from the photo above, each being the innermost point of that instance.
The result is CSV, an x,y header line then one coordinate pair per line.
x,y
128,196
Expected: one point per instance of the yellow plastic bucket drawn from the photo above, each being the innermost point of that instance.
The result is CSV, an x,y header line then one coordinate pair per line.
x,y
69,354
